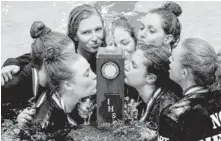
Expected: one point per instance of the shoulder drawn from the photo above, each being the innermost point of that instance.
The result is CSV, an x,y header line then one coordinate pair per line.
x,y
167,98
187,109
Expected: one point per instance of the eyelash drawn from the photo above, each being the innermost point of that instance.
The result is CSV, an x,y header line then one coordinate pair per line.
x,y
125,43
86,32
141,28
134,66
98,29
152,31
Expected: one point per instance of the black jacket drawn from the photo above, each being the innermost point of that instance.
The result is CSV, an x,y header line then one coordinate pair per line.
x,y
164,99
190,119
19,89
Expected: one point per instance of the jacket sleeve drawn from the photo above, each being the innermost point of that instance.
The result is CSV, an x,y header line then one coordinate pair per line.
x,y
170,129
19,88
25,73
20,61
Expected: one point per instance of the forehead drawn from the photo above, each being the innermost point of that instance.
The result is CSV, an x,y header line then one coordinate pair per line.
x,y
152,19
81,65
138,57
90,22
121,34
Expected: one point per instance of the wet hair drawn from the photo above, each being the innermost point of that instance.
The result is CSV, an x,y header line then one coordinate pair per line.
x,y
157,62
57,65
122,22
170,12
200,57
45,38
76,16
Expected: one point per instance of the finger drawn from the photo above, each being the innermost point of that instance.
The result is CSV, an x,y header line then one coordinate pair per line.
x,y
27,117
9,75
15,70
33,111
22,121
30,111
3,81
5,77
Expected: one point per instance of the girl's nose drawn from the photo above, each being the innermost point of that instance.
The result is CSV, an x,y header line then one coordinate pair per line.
x,y
94,37
142,34
94,76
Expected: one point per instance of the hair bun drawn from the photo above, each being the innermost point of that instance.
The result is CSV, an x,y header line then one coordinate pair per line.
x,y
38,29
173,7
51,54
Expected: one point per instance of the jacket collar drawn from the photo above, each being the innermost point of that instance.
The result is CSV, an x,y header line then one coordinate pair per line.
x,y
195,89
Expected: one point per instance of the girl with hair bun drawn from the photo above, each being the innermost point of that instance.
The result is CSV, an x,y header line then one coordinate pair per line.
x,y
161,26
195,66
19,89
67,75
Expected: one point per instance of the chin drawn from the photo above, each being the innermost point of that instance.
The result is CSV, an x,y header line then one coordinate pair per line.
x,y
94,91
126,82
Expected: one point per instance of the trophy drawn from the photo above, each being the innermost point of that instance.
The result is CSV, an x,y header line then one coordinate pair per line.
x,y
110,81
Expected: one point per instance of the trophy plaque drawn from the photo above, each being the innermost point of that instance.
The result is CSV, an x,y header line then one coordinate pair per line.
x,y
110,85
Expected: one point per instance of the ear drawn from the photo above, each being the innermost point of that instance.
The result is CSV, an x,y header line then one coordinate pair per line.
x,y
169,38
68,85
185,73
151,78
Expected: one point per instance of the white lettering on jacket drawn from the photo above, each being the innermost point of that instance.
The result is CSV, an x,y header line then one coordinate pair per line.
x,y
161,138
216,119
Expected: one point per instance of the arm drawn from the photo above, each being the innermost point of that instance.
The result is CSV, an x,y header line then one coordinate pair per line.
x,y
20,61
12,66
25,116
19,88
23,75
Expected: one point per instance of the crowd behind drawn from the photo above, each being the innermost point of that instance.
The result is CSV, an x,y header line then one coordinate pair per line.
x,y
168,82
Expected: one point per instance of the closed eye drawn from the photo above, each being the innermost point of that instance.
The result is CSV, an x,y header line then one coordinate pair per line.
x,y
86,32
98,29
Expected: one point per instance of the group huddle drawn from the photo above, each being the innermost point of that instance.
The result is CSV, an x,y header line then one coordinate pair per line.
x,y
168,82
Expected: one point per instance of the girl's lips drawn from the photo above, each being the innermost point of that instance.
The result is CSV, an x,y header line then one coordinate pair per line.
x,y
95,45
141,42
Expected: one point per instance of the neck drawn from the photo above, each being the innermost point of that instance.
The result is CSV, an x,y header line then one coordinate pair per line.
x,y
167,47
146,92
87,55
42,78
69,103
186,84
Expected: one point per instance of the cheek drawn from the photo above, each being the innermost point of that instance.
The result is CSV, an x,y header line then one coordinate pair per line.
x,y
83,39
134,76
88,84
155,39
131,47
100,35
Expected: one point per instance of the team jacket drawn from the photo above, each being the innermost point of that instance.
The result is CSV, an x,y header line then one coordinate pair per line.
x,y
195,117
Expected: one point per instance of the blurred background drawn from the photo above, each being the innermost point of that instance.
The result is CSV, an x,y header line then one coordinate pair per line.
x,y
199,19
